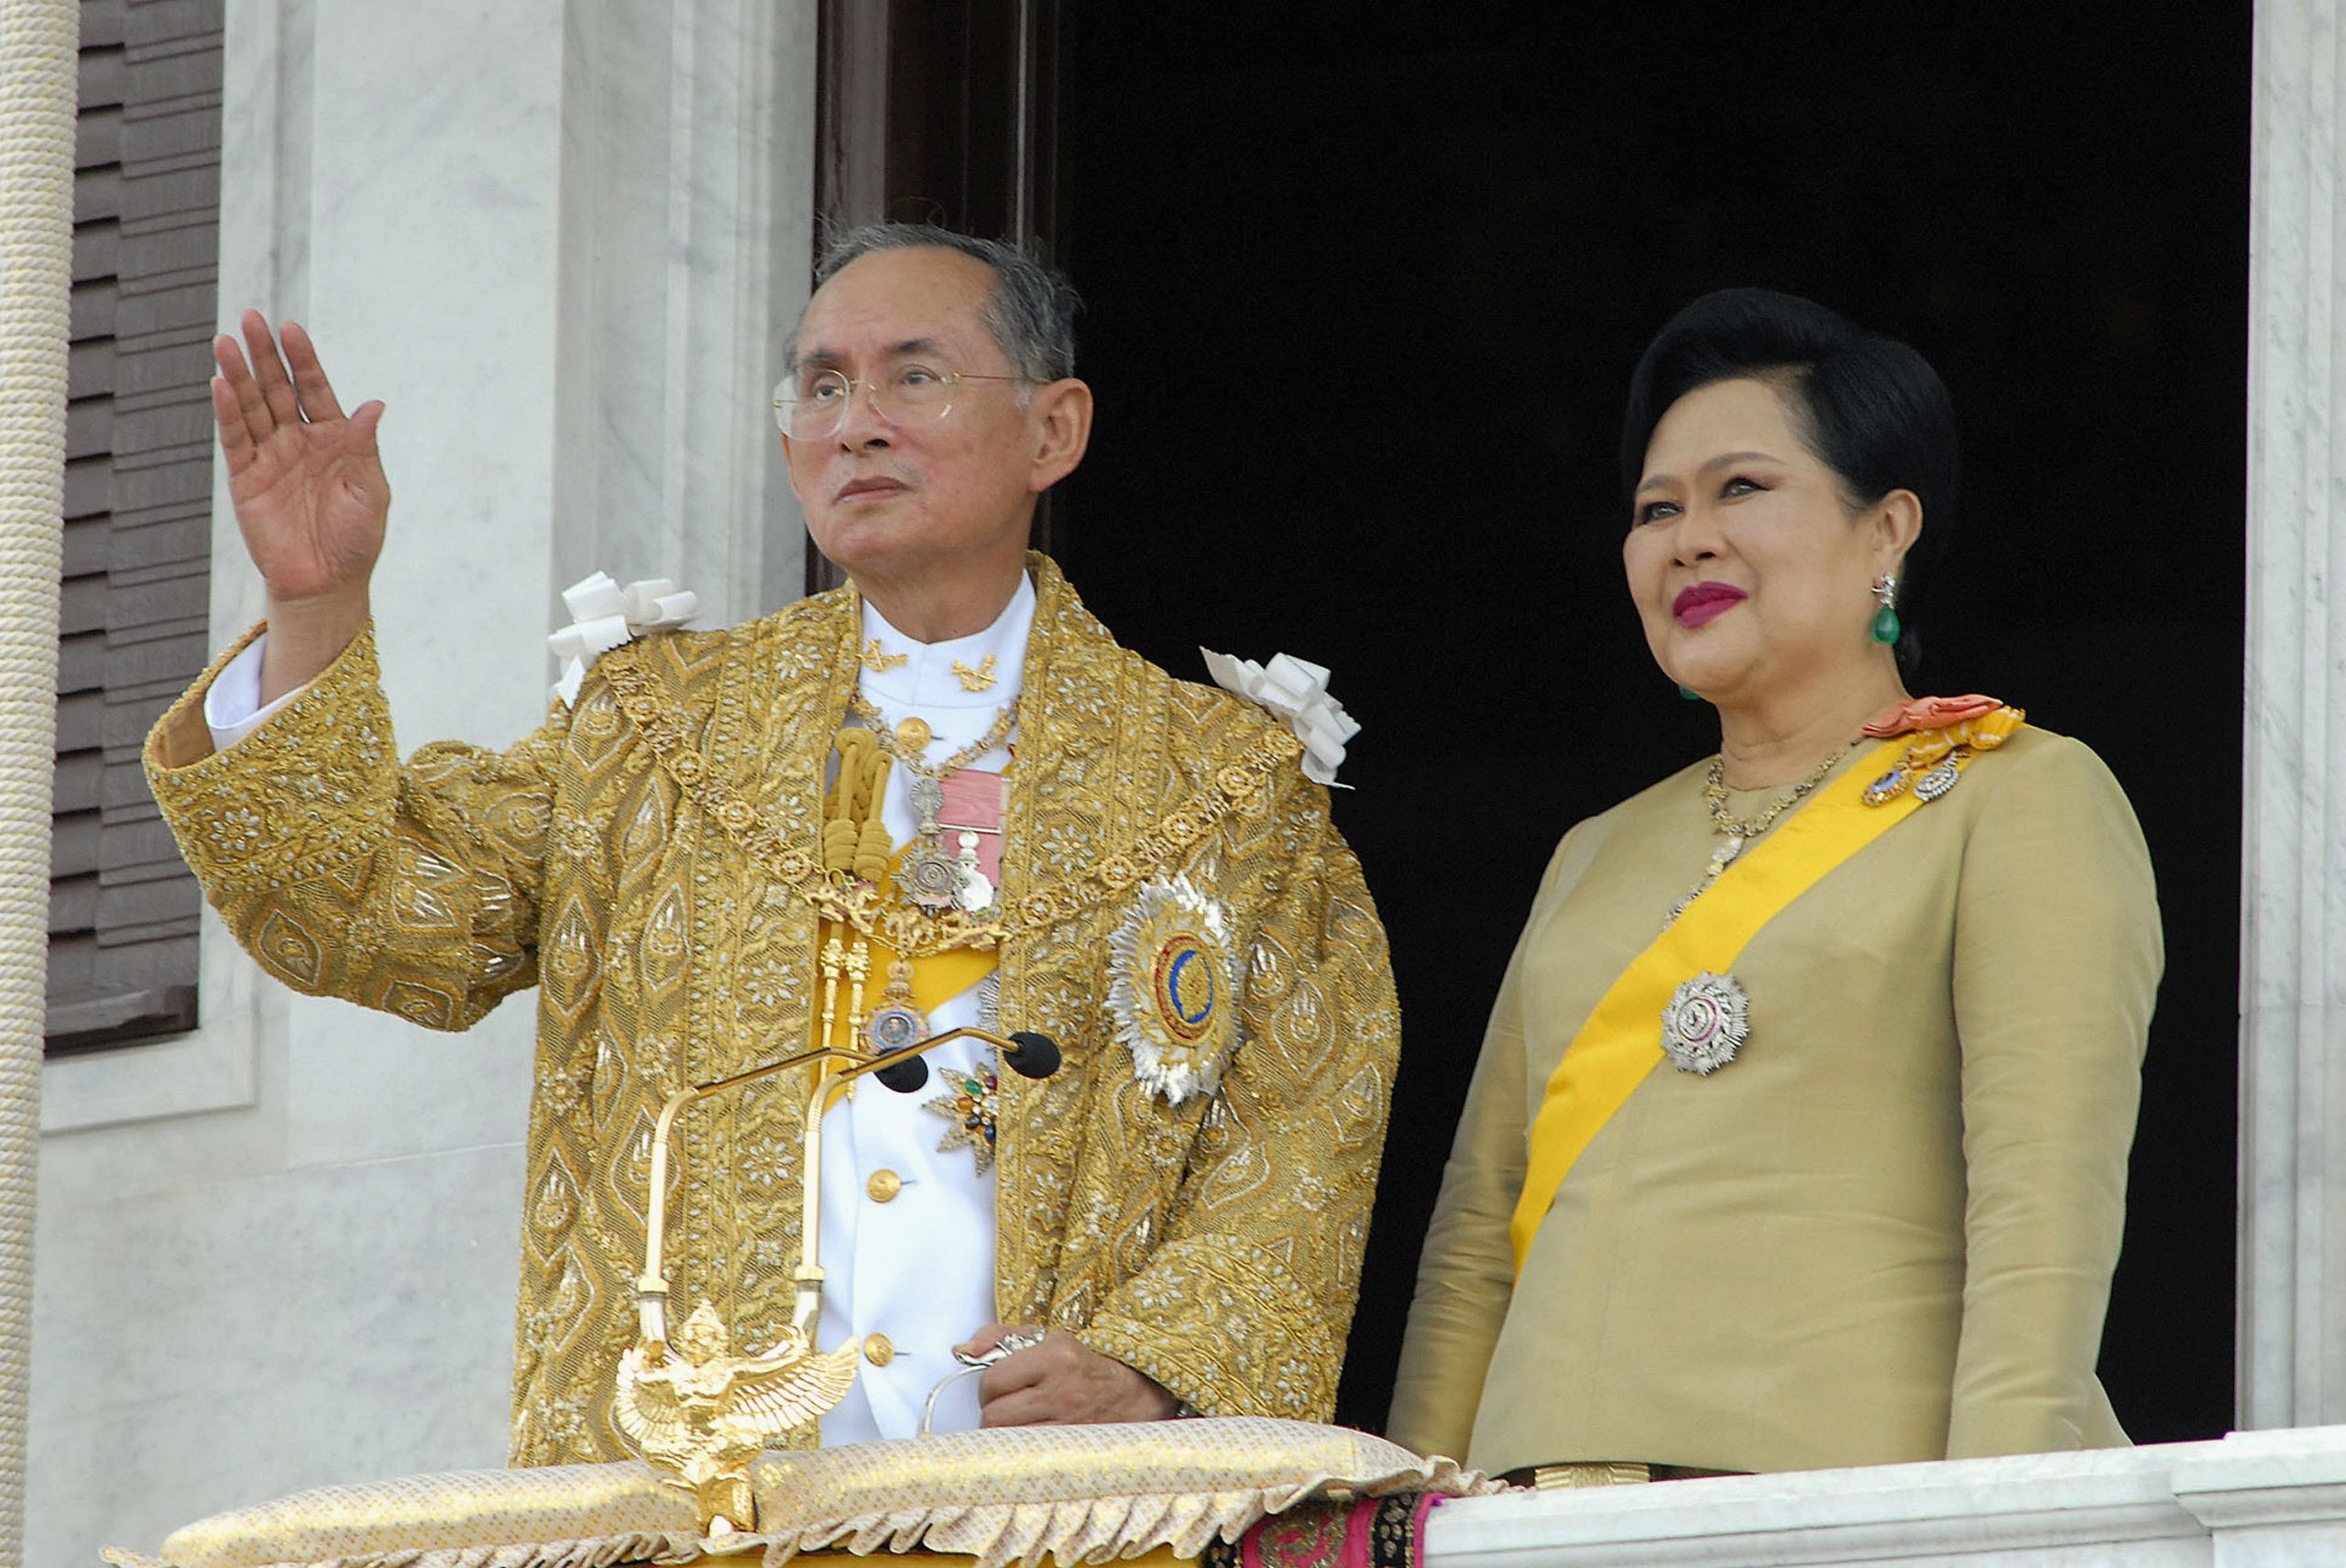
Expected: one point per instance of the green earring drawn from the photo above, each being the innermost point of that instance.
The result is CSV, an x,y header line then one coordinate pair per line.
x,y
1690,694
1886,626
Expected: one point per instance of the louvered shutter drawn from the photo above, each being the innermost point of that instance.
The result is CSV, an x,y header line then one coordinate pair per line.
x,y
133,632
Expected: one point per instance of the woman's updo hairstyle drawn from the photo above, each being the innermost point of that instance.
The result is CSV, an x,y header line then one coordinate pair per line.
x,y
1869,407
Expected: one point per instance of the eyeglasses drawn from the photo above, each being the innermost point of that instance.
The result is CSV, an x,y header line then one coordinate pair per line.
x,y
813,402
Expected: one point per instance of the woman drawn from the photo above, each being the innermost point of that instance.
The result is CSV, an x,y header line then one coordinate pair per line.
x,y
1833,1171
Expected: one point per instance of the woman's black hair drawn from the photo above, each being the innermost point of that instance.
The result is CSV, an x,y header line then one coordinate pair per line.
x,y
1869,407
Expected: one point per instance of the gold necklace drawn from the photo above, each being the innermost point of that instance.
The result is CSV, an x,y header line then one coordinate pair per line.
x,y
1734,831
1237,781
910,756
1715,795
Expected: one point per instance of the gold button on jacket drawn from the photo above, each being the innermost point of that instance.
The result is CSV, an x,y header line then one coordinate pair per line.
x,y
579,862
878,1349
883,1185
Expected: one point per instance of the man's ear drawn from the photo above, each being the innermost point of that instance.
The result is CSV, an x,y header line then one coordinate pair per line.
x,y
1062,412
790,462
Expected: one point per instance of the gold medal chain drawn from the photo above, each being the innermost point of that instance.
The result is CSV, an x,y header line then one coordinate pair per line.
x,y
1246,776
1003,721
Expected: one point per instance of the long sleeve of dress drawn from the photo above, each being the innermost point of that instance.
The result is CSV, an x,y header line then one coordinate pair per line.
x,y
2057,957
1466,1272
1245,1306
410,889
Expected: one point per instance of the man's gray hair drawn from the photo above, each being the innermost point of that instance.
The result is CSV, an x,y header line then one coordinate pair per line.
x,y
1031,312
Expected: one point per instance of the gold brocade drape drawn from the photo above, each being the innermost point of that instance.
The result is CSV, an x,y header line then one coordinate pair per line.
x,y
1215,1245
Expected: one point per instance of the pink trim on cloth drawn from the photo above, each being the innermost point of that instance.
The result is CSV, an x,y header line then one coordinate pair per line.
x,y
974,801
1355,1551
1310,1537
1338,1535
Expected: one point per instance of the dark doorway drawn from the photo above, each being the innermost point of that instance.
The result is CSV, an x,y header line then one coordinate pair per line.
x,y
1365,284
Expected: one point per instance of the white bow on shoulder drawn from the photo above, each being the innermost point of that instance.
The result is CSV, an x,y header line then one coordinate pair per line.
x,y
606,615
1297,691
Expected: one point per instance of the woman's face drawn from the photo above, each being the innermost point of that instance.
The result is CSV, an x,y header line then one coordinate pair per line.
x,y
1749,569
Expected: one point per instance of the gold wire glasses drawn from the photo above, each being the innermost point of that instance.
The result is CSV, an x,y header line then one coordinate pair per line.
x,y
811,402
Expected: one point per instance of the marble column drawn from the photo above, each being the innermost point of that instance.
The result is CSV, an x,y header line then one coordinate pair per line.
x,y
688,211
558,239
2292,1335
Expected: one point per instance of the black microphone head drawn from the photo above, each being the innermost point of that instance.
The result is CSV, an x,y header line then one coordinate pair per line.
x,y
904,1077
1034,1055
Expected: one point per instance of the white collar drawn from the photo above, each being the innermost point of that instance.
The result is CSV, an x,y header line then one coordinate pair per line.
x,y
928,679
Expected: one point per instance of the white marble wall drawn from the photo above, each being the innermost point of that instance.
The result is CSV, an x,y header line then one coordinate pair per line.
x,y
2292,957
2253,1500
557,237
688,216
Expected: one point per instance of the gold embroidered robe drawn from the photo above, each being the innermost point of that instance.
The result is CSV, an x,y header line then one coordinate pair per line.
x,y
1214,1245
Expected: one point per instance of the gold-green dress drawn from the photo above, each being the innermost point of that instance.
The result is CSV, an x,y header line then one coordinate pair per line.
x,y
1885,1231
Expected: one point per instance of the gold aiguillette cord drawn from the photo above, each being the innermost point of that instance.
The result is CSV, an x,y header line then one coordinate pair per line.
x,y
855,843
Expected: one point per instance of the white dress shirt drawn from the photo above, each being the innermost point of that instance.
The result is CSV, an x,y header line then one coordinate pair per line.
x,y
918,1269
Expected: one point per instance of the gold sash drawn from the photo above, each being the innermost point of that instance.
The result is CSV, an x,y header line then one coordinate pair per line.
x,y
1621,1041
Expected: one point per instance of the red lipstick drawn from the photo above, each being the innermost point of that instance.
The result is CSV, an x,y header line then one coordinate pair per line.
x,y
1704,602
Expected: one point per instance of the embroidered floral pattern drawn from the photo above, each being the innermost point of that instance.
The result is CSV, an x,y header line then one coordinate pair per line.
x,y
1215,1244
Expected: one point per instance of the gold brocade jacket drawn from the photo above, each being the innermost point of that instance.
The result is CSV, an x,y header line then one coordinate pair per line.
x,y
1215,1245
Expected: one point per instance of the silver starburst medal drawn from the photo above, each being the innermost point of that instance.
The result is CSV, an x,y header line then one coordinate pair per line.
x,y
1707,1018
930,876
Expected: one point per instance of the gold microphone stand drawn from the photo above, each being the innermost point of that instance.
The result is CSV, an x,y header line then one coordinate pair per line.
x,y
701,1416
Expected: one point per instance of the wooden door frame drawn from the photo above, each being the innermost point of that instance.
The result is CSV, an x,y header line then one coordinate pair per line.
x,y
944,112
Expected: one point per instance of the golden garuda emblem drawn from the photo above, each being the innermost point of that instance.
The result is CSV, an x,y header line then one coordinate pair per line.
x,y
693,1409
700,1412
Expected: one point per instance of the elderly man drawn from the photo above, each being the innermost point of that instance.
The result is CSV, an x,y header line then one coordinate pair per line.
x,y
940,796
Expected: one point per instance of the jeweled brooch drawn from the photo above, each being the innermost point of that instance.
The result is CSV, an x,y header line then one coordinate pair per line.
x,y
1707,1018
971,1102
1172,988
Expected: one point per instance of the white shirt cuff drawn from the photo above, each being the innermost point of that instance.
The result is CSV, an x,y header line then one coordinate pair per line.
x,y
232,704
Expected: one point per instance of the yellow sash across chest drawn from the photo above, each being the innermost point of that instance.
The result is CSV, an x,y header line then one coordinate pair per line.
x,y
937,978
1621,1041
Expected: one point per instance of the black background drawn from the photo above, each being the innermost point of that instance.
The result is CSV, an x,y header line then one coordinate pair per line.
x,y
1364,285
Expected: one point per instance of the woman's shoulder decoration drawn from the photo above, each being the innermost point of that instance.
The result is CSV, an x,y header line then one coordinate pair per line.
x,y
1948,732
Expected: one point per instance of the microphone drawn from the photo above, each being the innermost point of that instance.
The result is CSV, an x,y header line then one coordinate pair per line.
x,y
904,1077
1032,1054
1028,1053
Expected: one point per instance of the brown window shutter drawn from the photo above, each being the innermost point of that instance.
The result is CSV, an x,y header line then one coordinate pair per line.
x,y
133,631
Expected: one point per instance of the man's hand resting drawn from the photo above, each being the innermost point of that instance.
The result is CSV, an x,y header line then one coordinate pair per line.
x,y
1061,1381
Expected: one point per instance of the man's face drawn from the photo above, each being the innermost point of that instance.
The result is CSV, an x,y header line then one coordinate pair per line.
x,y
892,494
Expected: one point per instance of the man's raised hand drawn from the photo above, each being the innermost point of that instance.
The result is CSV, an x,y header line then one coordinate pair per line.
x,y
311,499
